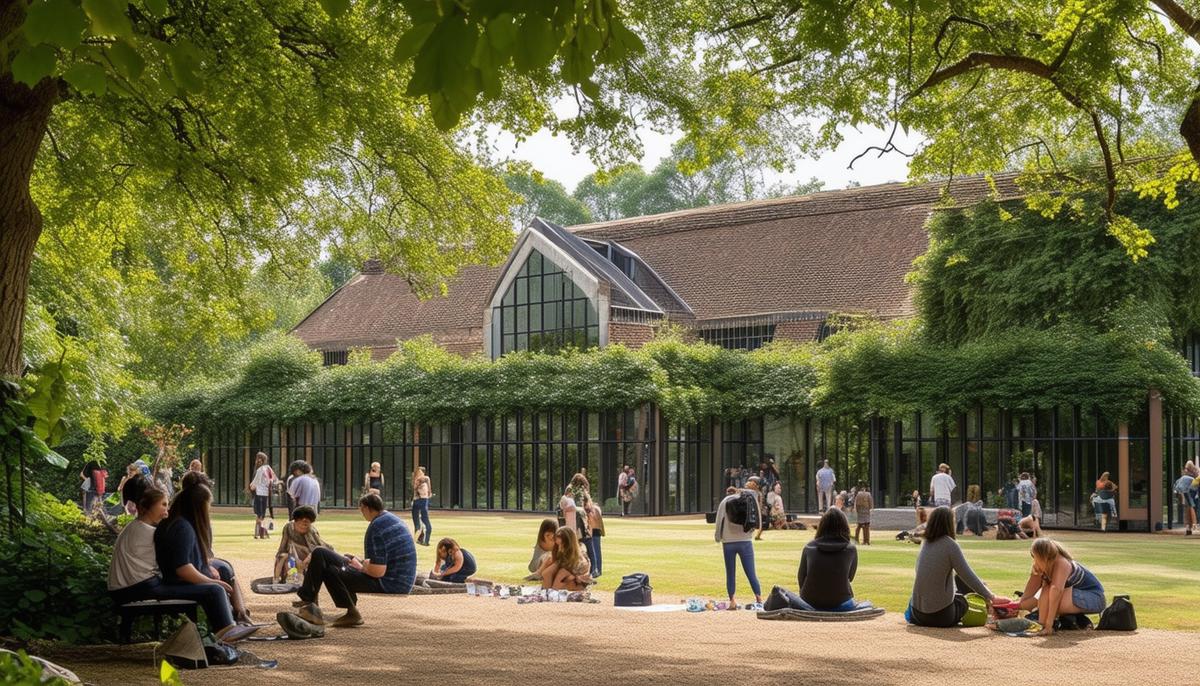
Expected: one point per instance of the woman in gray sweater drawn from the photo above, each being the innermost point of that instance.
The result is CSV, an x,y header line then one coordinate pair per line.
x,y
935,599
737,542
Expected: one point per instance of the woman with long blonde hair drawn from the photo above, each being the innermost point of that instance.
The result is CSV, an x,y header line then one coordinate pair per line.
x,y
566,567
422,492
1067,587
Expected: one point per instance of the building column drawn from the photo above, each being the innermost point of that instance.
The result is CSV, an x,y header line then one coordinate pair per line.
x,y
1154,497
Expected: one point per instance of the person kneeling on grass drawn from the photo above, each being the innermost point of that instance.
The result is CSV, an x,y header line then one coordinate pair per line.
x,y
1058,586
937,599
827,566
299,538
389,566
454,563
566,567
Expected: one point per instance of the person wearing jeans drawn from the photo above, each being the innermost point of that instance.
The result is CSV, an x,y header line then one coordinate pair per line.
x,y
389,566
736,543
422,492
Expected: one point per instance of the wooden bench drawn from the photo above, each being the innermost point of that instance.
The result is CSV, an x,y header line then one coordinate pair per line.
x,y
155,608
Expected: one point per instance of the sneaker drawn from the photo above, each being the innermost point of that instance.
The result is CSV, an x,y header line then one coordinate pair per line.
x,y
757,607
311,613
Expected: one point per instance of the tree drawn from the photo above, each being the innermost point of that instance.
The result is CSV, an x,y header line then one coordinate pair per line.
x,y
226,133
543,197
1077,94
678,182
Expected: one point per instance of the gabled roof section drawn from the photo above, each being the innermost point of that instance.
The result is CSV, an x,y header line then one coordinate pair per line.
x,y
834,251
374,308
645,278
623,291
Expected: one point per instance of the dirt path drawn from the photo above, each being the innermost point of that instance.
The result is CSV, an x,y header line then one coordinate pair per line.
x,y
457,639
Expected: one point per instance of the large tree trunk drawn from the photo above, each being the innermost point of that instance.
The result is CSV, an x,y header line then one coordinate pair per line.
x,y
1189,128
24,115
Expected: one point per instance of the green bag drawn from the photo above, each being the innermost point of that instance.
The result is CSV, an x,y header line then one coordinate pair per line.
x,y
976,610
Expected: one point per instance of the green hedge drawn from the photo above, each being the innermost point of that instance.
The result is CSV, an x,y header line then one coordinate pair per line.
x,y
890,369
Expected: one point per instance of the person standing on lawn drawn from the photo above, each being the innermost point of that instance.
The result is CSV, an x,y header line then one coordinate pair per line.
x,y
422,492
260,491
941,486
736,542
389,565
825,481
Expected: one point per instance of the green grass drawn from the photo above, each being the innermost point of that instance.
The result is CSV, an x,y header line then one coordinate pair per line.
x,y
679,554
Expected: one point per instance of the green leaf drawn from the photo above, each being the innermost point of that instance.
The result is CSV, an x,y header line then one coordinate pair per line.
x,y
502,33
590,88
108,18
157,7
336,8
58,22
185,67
538,45
126,60
87,78
34,64
35,596
628,39
421,11
410,41
444,115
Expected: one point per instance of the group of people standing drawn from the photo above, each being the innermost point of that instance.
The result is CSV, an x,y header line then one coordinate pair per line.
x,y
303,489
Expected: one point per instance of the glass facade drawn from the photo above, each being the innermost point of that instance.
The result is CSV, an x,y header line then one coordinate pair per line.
x,y
516,462
543,310
522,461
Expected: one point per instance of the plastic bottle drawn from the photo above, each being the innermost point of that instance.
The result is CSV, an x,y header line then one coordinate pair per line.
x,y
292,572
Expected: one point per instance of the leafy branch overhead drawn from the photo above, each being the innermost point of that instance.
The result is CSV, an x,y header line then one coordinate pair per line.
x,y
460,49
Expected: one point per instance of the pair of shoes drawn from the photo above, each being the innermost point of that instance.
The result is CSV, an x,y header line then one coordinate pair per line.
x,y
424,542
351,618
311,613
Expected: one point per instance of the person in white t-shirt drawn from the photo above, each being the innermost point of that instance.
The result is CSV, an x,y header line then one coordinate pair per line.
x,y
260,490
941,486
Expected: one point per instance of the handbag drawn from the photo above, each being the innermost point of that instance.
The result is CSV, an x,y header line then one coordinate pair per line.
x,y
1119,616
634,591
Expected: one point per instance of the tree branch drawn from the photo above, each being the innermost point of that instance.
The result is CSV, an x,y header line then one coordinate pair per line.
x,y
1182,18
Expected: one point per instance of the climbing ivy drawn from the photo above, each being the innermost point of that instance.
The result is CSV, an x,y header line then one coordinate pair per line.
x,y
890,369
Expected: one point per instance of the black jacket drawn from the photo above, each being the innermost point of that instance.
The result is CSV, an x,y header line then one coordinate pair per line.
x,y
827,566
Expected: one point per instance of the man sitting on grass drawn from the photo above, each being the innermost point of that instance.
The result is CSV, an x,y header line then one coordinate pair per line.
x,y
389,566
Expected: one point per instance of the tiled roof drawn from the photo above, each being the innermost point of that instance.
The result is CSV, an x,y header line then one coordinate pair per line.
x,y
846,250
376,309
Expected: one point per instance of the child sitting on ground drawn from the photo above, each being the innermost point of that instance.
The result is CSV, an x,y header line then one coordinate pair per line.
x,y
566,568
298,540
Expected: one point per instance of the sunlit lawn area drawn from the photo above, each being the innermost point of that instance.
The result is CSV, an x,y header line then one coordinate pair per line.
x,y
1159,572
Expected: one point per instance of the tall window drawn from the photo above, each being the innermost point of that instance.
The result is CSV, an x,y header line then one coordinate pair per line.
x,y
543,310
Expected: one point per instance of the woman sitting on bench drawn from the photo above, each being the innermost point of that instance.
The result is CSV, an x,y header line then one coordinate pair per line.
x,y
827,566
567,566
454,563
183,548
133,575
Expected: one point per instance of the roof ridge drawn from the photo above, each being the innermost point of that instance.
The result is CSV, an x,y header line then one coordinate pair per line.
x,y
819,203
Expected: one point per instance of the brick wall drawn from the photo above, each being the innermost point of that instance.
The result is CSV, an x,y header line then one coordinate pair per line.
x,y
632,335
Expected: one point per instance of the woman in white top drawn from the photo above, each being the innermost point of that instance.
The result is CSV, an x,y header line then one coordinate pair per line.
x,y
422,492
567,504
134,575
260,490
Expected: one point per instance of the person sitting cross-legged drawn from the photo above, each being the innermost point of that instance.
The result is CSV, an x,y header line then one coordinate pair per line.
x,y
389,566
827,567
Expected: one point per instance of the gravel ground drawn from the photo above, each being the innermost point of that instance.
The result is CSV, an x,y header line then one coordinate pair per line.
x,y
458,639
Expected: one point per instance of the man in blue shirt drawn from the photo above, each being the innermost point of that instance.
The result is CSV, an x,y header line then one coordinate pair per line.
x,y
389,565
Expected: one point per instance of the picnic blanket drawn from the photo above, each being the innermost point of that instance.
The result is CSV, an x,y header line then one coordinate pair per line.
x,y
795,615
421,586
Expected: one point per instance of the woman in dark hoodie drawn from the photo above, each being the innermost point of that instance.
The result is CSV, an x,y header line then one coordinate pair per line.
x,y
827,566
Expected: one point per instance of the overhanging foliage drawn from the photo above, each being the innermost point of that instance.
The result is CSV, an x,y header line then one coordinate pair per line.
x,y
887,369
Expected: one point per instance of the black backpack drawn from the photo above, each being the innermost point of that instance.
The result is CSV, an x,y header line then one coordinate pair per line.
x,y
634,591
744,510
1119,616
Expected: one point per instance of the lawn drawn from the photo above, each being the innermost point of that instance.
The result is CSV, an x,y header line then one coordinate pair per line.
x,y
1157,571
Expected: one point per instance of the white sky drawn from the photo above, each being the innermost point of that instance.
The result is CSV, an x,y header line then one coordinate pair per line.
x,y
553,157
